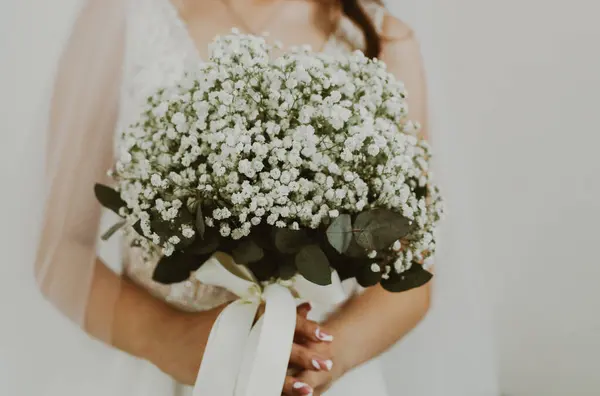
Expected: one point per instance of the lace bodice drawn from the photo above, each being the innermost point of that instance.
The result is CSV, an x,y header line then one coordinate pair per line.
x,y
159,50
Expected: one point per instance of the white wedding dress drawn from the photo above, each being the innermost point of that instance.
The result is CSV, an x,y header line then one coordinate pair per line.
x,y
159,50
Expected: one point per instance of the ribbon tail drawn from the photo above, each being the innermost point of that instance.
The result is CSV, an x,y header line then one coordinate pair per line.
x,y
227,340
224,351
269,346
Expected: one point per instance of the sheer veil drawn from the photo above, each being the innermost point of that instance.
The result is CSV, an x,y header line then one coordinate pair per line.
x,y
43,350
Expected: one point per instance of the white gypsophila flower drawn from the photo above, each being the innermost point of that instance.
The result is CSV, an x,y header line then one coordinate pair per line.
x,y
290,141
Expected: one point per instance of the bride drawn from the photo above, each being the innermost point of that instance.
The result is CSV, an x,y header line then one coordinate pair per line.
x,y
120,51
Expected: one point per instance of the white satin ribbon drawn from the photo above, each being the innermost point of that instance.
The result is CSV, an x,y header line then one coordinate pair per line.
x,y
241,360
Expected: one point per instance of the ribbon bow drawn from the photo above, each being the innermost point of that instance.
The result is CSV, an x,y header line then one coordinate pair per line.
x,y
245,360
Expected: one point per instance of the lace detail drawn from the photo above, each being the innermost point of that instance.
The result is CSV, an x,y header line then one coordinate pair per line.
x,y
159,51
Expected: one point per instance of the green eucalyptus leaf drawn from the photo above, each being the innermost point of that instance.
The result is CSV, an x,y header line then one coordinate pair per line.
x,y
266,268
176,267
138,228
247,251
414,277
111,231
365,276
378,229
184,217
290,241
109,197
264,236
209,244
287,269
192,205
355,250
339,232
162,228
313,264
200,226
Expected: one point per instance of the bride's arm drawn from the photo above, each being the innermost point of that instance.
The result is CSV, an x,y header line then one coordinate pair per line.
x,y
371,322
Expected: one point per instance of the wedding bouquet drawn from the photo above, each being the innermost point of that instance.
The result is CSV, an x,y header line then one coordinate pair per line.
x,y
303,163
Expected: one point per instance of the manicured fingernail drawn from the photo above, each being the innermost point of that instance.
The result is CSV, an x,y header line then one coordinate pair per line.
x,y
302,388
323,336
316,364
322,364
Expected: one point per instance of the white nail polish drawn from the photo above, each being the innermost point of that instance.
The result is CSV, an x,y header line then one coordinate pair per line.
x,y
328,364
299,385
316,364
322,336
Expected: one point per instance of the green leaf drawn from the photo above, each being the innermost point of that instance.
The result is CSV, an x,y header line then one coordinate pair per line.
x,y
138,228
111,231
184,217
287,268
415,277
200,226
108,197
355,250
177,267
378,229
290,241
313,264
209,244
365,277
162,228
267,267
339,233
192,204
247,251
264,236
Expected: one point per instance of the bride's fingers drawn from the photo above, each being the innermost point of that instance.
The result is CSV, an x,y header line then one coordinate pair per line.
x,y
304,358
303,309
294,387
311,330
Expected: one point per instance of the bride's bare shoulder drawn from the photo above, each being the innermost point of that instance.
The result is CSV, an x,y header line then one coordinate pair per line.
x,y
393,29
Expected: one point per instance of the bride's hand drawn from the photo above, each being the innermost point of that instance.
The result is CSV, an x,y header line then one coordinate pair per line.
x,y
311,382
311,360
181,339
309,333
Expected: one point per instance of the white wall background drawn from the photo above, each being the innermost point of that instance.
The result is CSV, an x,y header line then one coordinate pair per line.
x,y
520,126
522,83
